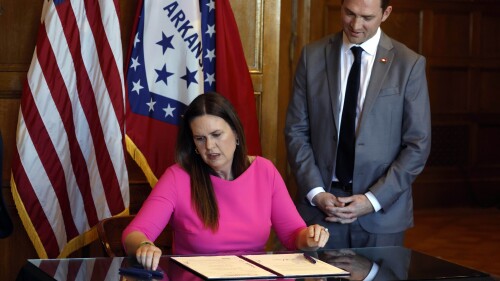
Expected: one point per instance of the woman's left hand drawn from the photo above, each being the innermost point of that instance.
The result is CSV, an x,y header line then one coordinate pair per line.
x,y
316,236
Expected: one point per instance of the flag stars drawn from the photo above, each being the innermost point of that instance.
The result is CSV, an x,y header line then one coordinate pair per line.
x,y
151,105
135,63
210,54
190,77
210,79
136,39
169,111
210,30
163,74
137,86
165,42
211,5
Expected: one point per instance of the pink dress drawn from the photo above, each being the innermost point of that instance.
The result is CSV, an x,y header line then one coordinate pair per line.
x,y
248,207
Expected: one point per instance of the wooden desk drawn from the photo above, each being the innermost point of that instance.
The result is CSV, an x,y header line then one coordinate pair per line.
x,y
394,263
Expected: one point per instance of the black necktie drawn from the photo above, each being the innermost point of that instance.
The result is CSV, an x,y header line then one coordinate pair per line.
x,y
347,138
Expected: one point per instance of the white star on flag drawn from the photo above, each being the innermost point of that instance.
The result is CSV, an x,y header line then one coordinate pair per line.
x,y
169,111
210,55
137,86
151,105
211,5
210,78
135,63
211,30
136,40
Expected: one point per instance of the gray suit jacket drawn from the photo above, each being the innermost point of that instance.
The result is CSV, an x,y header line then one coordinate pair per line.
x,y
393,136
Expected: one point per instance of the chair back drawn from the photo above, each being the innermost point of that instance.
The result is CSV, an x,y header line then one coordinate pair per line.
x,y
110,233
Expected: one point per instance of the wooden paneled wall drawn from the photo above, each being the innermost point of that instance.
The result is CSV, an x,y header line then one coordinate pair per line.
x,y
19,22
461,41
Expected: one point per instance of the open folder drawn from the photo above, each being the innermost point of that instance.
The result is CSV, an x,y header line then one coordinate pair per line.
x,y
257,266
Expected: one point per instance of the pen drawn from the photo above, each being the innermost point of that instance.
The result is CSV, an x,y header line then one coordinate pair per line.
x,y
154,273
309,258
139,273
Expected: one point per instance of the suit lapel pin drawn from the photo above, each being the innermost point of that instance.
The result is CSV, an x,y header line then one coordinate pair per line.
x,y
383,60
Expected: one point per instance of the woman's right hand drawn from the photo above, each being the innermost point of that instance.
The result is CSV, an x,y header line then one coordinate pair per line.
x,y
148,255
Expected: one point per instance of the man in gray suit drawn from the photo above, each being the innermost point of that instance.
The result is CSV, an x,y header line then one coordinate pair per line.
x,y
391,131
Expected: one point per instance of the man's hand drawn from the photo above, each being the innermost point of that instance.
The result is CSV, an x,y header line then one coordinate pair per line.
x,y
325,200
348,209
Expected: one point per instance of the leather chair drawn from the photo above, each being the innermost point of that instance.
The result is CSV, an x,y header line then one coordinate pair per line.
x,y
110,232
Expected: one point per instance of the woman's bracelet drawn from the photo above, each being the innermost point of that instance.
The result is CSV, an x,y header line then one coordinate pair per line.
x,y
146,243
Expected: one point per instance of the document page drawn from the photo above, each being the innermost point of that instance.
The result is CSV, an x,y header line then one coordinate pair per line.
x,y
295,265
223,267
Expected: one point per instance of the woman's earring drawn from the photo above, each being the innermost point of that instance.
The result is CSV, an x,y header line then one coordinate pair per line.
x,y
237,141
196,151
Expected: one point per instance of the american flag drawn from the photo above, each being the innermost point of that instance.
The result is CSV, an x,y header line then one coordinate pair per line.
x,y
68,168
181,49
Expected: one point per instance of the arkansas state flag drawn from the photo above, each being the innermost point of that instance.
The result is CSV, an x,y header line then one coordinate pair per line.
x,y
68,168
180,50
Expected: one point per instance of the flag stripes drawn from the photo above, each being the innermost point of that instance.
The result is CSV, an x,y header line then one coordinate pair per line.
x,y
69,169
83,69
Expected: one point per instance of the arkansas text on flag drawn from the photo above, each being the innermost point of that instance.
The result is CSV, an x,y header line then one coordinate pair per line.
x,y
68,169
181,49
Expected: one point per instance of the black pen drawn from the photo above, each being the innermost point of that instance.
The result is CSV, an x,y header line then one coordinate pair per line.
x,y
309,258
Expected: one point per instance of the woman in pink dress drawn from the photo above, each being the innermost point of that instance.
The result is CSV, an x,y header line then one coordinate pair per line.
x,y
217,199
